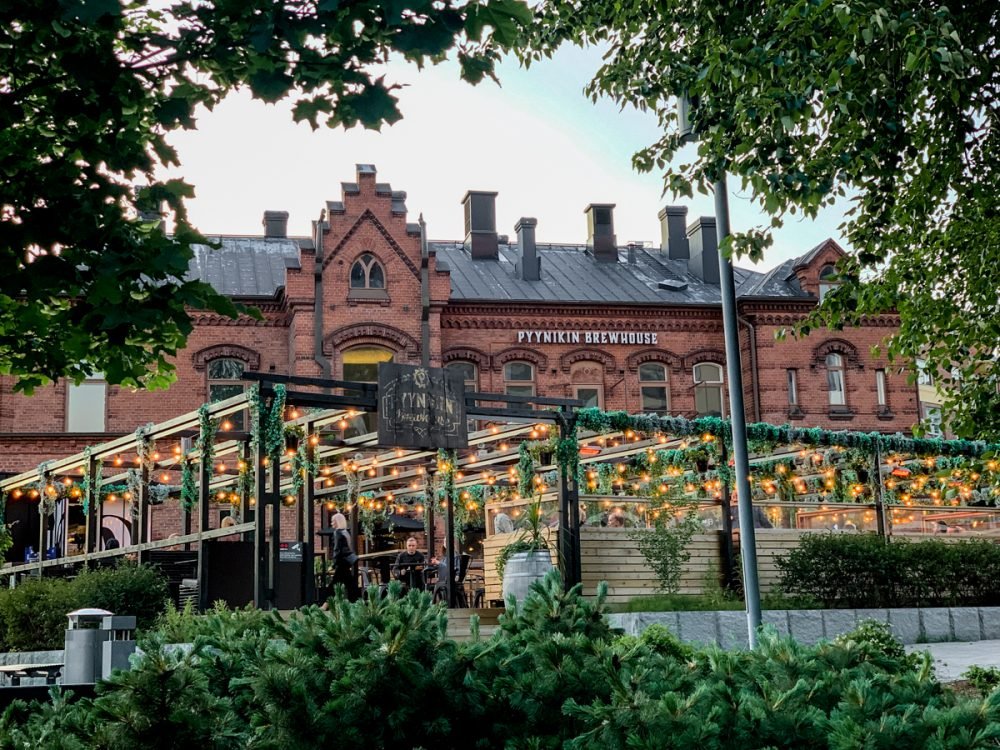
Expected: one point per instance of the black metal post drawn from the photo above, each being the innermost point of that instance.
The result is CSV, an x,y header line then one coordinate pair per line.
x,y
728,541
569,510
309,519
142,518
274,502
748,537
261,468
246,490
204,499
449,535
876,478
92,535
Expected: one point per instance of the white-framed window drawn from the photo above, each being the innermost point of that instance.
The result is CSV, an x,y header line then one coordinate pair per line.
x,y
835,383
654,389
930,414
792,379
881,391
225,381
708,389
86,405
519,379
924,375
367,273
827,280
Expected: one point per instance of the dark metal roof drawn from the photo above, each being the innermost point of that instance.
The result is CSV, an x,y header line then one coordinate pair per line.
x,y
570,274
245,266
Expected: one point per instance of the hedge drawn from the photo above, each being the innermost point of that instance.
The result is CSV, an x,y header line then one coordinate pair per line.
x,y
865,570
33,615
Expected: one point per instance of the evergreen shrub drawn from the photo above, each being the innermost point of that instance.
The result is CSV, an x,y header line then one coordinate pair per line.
x,y
382,674
864,570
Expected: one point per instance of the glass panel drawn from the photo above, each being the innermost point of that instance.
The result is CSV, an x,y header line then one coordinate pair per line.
x,y
834,360
880,387
793,388
835,384
361,363
707,373
376,279
85,407
519,371
358,276
466,370
654,399
520,390
652,371
589,394
708,401
225,369
222,391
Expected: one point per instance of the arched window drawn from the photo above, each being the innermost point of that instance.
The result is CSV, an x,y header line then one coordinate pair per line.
x,y
835,383
827,280
654,393
224,381
519,379
708,389
367,273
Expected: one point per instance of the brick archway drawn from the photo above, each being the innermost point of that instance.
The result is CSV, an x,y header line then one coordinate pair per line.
x,y
249,357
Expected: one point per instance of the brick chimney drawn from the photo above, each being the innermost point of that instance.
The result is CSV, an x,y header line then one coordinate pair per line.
x,y
275,224
704,246
529,265
673,232
481,225
601,240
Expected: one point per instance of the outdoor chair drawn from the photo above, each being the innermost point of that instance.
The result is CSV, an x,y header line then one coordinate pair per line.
x,y
438,587
368,580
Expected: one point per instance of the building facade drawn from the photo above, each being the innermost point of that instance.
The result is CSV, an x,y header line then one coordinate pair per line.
x,y
636,328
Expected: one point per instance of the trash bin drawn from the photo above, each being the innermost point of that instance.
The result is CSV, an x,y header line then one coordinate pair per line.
x,y
85,638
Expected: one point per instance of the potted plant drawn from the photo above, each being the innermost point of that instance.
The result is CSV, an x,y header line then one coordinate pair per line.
x,y
527,558
700,457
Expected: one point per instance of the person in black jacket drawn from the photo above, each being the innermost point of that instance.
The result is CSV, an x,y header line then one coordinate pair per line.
x,y
409,565
344,557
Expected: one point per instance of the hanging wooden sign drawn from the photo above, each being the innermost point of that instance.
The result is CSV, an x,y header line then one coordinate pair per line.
x,y
421,407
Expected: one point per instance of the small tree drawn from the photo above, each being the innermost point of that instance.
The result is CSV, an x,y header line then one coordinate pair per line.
x,y
665,547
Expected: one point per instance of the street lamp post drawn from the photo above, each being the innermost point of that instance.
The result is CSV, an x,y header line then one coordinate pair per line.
x,y
734,371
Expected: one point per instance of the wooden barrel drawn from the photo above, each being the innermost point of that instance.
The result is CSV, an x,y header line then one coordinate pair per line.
x,y
522,570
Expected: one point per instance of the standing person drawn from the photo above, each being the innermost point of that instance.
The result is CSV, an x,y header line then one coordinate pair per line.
x,y
344,557
409,565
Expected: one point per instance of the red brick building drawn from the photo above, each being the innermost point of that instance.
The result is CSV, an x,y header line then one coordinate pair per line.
x,y
636,328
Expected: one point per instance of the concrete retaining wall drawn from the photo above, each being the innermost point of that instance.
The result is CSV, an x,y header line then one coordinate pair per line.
x,y
31,657
729,629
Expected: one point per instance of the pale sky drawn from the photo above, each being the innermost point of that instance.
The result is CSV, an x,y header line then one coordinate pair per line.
x,y
536,140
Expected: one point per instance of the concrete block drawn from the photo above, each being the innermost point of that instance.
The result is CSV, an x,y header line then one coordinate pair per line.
x,y
777,619
621,621
805,626
699,627
669,620
880,615
935,624
965,623
733,630
838,621
905,624
989,623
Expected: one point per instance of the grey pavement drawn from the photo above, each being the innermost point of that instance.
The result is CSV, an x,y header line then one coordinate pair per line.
x,y
952,659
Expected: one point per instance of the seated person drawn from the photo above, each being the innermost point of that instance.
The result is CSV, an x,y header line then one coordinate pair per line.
x,y
617,519
408,565
502,523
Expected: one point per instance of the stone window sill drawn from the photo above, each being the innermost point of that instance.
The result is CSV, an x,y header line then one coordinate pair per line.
x,y
885,415
841,414
368,297
795,412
